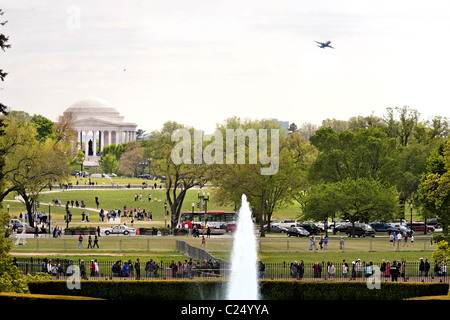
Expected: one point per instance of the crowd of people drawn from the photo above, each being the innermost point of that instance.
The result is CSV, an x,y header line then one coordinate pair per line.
x,y
357,270
178,270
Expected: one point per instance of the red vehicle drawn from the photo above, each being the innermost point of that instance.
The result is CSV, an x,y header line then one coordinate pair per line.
x,y
419,227
214,219
231,226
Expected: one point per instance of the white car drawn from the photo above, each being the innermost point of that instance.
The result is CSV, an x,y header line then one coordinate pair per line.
x,y
119,229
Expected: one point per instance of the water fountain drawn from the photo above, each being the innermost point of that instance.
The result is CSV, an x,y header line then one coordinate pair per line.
x,y
243,283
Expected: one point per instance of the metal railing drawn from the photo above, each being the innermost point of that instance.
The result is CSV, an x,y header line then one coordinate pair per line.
x,y
211,268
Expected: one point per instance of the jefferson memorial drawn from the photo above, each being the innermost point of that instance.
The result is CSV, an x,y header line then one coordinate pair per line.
x,y
98,125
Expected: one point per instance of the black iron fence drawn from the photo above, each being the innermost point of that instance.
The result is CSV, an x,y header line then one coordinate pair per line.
x,y
216,269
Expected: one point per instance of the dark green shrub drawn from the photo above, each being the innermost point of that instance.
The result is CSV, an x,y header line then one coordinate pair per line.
x,y
214,290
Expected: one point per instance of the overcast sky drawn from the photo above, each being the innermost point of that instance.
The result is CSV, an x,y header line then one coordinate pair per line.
x,y
200,62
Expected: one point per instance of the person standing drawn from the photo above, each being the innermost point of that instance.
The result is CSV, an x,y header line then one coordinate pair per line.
x,y
203,241
92,268
301,269
317,270
344,269
126,269
399,239
137,267
82,269
383,268
443,269
96,268
294,270
261,269
421,267
426,268
330,270
359,269
341,244
402,268
394,271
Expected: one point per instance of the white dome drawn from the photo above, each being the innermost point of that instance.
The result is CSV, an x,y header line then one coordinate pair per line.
x,y
96,108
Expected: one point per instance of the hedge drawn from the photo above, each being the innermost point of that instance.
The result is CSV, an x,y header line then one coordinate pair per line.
x,y
214,290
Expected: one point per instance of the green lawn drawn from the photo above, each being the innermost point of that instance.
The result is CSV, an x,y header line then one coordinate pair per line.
x,y
270,249
275,248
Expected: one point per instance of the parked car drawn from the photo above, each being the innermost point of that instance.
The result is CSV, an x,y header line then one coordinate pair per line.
x,y
434,222
341,227
403,229
311,227
419,227
360,230
18,223
384,227
278,228
297,232
283,225
231,226
119,229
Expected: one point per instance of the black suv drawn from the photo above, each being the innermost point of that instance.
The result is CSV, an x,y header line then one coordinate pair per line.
x,y
361,230
310,227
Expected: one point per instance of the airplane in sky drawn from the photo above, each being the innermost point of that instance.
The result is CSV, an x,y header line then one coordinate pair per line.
x,y
324,44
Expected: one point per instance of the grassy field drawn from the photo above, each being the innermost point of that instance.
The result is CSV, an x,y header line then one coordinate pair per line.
x,y
271,249
275,248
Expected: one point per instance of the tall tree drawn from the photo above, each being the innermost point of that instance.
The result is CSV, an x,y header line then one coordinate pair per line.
x,y
266,193
360,199
180,177
130,159
434,190
31,164
401,123
354,153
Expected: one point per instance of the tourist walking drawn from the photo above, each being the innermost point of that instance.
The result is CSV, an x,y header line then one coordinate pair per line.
x,y
80,241
90,242
312,243
95,242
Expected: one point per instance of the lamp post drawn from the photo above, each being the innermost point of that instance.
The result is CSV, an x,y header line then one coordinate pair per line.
x,y
200,197
411,210
206,199
165,213
49,218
